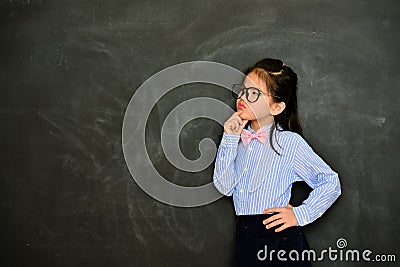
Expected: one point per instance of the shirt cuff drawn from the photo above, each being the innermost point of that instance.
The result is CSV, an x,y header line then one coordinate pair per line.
x,y
302,215
230,140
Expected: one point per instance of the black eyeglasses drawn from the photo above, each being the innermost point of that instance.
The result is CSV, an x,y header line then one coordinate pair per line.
x,y
252,93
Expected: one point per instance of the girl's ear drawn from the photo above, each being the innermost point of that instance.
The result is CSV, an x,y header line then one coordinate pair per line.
x,y
277,108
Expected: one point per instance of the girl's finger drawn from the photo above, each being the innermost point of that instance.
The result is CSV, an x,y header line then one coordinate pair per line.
x,y
236,125
243,124
270,210
273,218
274,223
237,115
282,227
227,125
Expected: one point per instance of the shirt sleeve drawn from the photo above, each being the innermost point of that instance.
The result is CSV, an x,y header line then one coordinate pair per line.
x,y
309,167
224,171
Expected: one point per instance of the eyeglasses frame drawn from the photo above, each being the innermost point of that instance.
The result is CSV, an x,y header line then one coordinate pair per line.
x,y
246,89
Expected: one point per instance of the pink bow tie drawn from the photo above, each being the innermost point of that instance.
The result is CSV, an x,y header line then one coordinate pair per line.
x,y
261,136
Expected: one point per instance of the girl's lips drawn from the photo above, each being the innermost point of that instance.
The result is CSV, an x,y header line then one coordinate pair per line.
x,y
241,106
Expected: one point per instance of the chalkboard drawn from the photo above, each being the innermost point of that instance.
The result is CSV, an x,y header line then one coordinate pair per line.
x,y
69,70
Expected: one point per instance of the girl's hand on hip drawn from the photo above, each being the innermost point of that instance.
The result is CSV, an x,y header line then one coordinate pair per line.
x,y
234,125
285,218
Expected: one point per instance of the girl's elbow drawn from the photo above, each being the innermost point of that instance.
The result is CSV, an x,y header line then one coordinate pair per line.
x,y
332,186
224,190
337,189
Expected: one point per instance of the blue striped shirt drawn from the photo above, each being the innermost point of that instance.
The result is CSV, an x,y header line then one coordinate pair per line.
x,y
258,178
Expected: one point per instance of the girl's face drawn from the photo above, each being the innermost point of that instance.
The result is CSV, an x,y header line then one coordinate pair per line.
x,y
259,110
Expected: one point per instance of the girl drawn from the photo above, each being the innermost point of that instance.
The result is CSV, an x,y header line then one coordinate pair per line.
x,y
259,170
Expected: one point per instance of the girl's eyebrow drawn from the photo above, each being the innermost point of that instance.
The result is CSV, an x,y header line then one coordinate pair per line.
x,y
252,86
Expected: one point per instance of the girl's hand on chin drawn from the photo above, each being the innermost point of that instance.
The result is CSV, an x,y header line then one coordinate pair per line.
x,y
234,125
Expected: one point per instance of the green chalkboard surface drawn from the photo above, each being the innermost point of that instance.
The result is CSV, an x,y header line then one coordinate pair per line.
x,y
69,69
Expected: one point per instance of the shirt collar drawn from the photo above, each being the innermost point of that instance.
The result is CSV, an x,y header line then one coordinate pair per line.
x,y
267,127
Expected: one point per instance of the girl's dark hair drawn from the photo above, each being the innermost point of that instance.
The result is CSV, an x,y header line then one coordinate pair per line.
x,y
281,82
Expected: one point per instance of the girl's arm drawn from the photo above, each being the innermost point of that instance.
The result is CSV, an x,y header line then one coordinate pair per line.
x,y
224,171
309,167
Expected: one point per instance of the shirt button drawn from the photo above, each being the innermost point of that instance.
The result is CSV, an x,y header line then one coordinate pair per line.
x,y
224,140
245,169
304,220
250,149
221,158
241,190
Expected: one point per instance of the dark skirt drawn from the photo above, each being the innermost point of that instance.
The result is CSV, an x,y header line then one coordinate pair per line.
x,y
257,246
